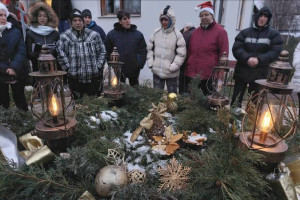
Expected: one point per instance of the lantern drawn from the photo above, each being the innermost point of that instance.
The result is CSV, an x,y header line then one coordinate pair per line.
x,y
52,102
219,78
271,115
114,88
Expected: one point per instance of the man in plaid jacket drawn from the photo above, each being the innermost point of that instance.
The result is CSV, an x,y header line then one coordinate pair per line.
x,y
82,54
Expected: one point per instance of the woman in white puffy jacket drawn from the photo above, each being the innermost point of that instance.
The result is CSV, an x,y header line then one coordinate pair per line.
x,y
296,77
166,52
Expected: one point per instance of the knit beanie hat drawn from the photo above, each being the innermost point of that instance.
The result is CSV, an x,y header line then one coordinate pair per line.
x,y
206,6
76,13
86,12
3,7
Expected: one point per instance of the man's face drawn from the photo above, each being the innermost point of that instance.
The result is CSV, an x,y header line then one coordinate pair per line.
x,y
87,20
77,24
262,20
164,23
125,22
3,18
206,18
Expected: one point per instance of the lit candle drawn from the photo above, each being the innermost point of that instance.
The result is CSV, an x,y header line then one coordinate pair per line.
x,y
265,126
114,81
54,108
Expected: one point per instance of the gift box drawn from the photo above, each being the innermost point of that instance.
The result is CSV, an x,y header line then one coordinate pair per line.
x,y
282,184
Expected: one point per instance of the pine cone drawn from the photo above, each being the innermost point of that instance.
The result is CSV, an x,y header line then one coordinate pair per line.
x,y
157,129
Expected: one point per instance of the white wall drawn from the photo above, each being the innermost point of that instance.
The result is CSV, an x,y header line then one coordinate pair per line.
x,y
184,10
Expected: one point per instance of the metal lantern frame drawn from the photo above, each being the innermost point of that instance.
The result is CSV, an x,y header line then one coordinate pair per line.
x,y
114,90
49,82
219,79
275,97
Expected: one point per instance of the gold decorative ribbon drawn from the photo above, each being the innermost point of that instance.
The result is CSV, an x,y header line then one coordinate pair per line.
x,y
156,112
36,151
86,196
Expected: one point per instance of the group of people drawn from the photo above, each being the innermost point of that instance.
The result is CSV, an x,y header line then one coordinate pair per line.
x,y
83,49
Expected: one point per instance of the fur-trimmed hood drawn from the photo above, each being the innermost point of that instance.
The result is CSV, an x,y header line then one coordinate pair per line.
x,y
34,11
168,11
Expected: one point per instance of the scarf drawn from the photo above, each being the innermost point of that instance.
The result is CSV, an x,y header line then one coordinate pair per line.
x,y
91,24
3,27
42,30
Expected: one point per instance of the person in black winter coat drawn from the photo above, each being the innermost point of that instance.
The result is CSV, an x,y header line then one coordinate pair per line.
x,y
43,21
63,9
12,63
254,48
90,24
130,45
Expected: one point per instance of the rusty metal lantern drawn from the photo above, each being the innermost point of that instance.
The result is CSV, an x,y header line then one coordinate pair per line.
x,y
52,101
271,116
113,88
219,78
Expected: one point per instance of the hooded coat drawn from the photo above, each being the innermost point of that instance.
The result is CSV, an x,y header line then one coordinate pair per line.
x,y
264,43
12,53
34,39
296,64
130,45
166,49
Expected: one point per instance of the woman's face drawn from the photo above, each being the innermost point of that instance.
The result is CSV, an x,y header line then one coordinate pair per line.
x,y
206,18
42,18
3,18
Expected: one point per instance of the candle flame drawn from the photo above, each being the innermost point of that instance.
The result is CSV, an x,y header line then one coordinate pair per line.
x,y
114,81
53,106
266,124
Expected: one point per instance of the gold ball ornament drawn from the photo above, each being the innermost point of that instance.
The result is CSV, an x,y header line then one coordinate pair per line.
x,y
172,107
108,178
136,176
172,97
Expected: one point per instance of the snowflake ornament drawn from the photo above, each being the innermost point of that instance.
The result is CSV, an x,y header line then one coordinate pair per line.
x,y
174,177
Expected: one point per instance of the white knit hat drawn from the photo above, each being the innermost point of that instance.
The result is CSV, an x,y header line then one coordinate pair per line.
x,y
3,7
206,6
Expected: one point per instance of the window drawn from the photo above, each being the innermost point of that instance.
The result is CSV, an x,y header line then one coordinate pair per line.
x,y
111,7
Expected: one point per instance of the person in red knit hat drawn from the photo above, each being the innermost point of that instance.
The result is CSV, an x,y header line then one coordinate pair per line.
x,y
207,44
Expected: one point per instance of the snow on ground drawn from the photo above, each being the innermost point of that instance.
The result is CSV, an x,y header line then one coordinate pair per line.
x,y
129,144
131,167
194,139
108,115
211,130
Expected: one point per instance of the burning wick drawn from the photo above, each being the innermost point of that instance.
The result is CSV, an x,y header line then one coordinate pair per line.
x,y
265,126
114,81
53,108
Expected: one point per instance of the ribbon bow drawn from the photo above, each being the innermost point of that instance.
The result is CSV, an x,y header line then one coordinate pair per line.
x,y
156,112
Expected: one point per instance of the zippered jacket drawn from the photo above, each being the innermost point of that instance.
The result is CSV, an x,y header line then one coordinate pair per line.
x,y
263,43
296,64
166,50
93,26
13,53
130,45
206,46
82,54
34,41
